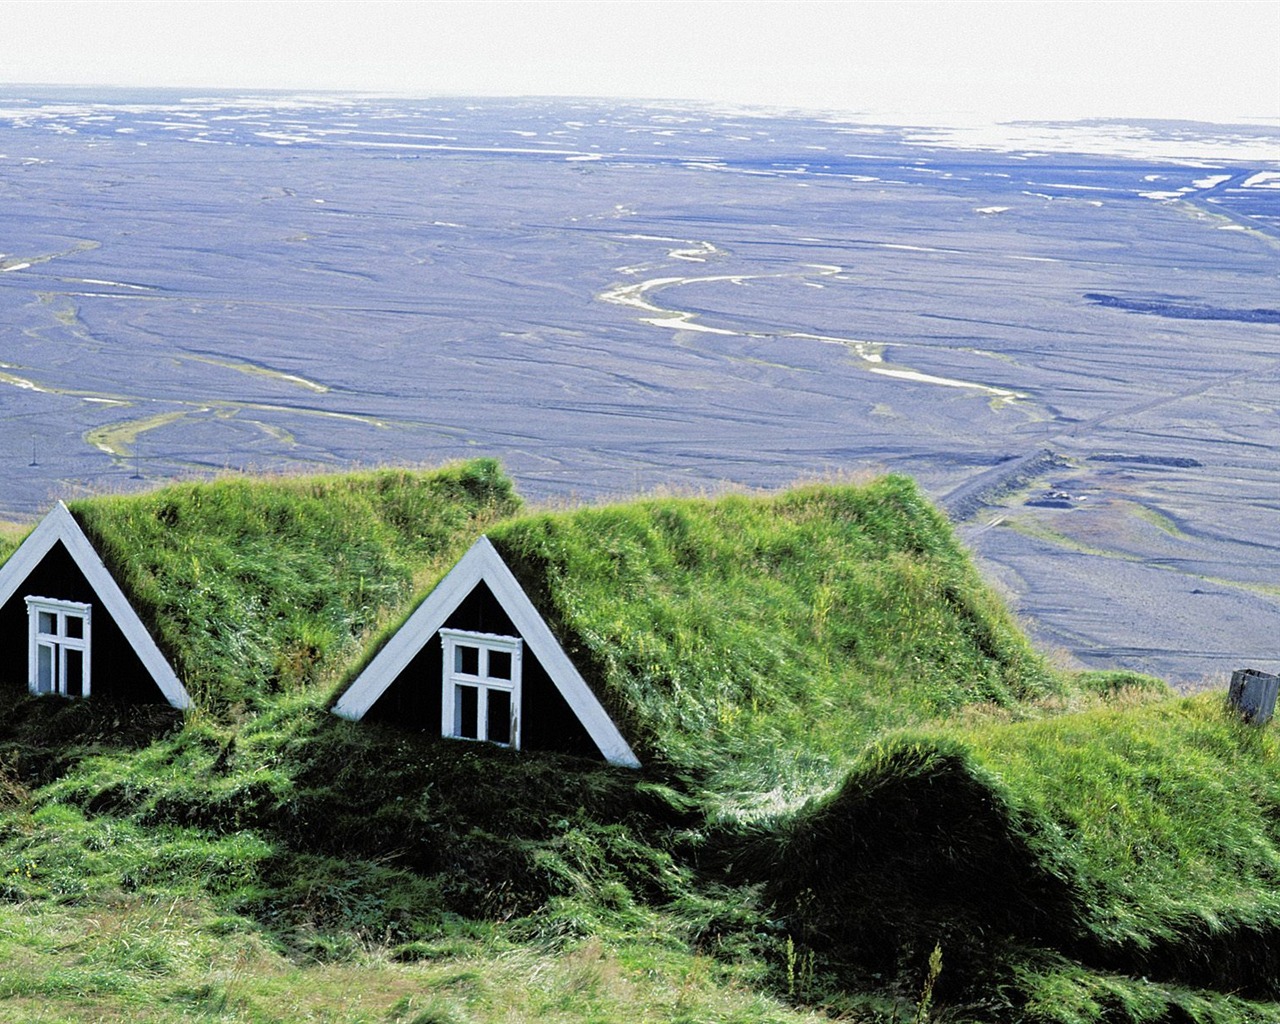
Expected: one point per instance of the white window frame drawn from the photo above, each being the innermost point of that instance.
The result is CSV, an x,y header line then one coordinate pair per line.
x,y
57,643
452,678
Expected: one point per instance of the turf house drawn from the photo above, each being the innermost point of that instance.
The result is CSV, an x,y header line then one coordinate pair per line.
x,y
64,611
216,593
698,631
477,657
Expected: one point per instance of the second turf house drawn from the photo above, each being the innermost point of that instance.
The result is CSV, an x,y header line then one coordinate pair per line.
x,y
478,658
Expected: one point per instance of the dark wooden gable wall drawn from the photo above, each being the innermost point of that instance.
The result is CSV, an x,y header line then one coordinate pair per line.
x,y
546,720
116,671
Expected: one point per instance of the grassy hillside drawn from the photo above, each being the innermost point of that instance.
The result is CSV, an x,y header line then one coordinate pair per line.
x,y
853,760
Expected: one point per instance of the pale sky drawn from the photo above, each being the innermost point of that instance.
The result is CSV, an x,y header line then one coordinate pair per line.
x,y
953,61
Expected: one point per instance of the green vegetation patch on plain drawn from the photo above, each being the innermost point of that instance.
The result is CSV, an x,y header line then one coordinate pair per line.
x,y
259,584
773,635
11,535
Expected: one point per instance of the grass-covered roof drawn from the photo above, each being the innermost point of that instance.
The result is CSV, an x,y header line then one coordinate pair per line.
x,y
256,584
782,631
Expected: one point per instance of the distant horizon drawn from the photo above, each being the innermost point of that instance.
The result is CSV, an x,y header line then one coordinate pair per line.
x,y
1194,141
195,93
919,62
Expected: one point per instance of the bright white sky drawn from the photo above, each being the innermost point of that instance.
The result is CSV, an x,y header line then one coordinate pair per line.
x,y
953,61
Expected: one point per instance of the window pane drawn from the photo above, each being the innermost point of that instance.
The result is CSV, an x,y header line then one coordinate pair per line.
x,y
499,664
499,717
466,660
47,622
75,626
466,712
75,672
44,668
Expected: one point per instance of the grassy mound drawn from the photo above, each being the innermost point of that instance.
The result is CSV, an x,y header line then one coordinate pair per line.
x,y
252,585
772,636
1167,819
343,826
1136,839
318,847
919,846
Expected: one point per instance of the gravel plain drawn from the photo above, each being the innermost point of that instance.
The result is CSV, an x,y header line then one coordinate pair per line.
x,y
1077,354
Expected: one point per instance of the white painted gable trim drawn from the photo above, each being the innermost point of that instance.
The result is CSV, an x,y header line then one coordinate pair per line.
x,y
60,525
483,563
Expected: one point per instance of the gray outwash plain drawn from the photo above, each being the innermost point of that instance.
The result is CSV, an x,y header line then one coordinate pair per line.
x,y
1078,356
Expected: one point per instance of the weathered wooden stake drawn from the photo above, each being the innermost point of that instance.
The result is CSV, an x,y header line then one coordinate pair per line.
x,y
1253,694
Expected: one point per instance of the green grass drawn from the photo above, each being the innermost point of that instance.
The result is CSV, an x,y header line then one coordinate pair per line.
x,y
766,639
136,960
257,585
853,757
1060,992
1138,838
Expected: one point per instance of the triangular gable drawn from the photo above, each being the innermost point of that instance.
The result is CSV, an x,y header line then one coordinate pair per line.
x,y
60,525
482,563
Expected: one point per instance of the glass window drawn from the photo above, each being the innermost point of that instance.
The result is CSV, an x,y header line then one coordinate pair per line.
x,y
466,717
73,682
481,693
46,659
498,717
466,660
499,665
59,652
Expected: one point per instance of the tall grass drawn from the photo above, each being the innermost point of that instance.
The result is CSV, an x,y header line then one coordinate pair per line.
x,y
771,637
255,585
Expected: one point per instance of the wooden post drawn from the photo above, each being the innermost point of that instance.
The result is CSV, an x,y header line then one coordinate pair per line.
x,y
1253,694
